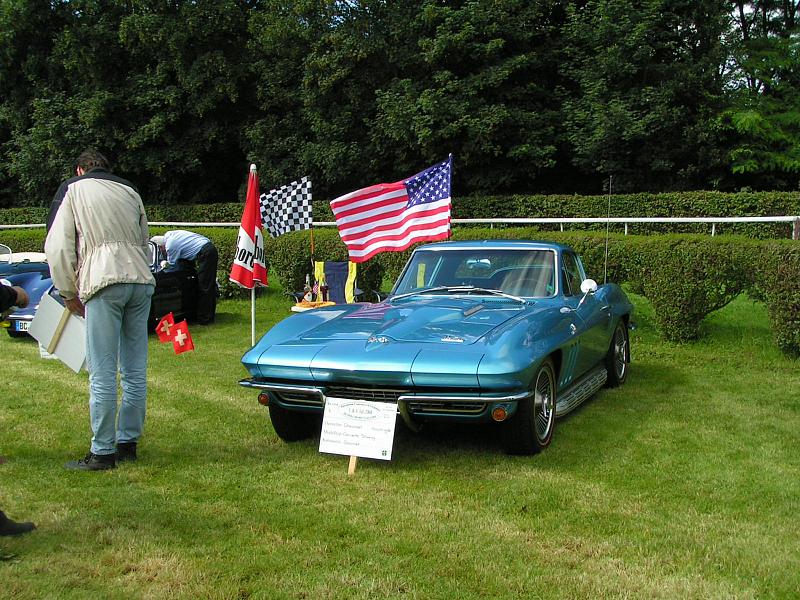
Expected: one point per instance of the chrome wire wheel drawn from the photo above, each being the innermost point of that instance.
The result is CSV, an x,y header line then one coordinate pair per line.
x,y
620,351
531,428
618,355
544,409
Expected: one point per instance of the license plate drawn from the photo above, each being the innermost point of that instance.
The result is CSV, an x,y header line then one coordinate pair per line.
x,y
21,325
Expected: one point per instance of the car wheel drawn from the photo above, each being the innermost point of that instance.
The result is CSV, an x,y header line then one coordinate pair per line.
x,y
618,356
292,426
531,428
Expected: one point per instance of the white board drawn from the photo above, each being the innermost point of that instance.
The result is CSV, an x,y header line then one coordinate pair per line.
x,y
67,339
358,428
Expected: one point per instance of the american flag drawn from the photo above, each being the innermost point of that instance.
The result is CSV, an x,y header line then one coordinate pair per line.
x,y
392,216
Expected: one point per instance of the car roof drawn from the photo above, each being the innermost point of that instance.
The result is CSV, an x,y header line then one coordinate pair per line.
x,y
496,244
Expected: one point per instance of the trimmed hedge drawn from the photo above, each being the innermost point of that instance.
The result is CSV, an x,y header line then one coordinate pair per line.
x,y
674,204
778,277
685,277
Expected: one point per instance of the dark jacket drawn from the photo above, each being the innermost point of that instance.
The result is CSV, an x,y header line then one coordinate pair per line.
x,y
8,297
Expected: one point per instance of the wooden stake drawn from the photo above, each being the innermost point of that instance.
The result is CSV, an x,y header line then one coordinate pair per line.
x,y
352,468
51,347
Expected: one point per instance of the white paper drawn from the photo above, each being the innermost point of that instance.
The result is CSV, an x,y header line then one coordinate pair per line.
x,y
358,428
71,346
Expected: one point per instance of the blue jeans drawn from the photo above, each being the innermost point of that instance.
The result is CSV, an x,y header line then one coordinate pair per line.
x,y
116,337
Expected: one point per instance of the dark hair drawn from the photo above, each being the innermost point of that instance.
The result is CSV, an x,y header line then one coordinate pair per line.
x,y
92,159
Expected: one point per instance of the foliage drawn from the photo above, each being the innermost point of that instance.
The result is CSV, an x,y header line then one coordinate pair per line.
x,y
687,278
645,89
675,204
779,279
541,96
764,74
155,86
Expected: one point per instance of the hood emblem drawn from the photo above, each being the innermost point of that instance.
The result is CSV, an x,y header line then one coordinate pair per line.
x,y
380,339
452,338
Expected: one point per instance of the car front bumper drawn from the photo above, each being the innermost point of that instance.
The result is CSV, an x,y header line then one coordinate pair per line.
x,y
414,406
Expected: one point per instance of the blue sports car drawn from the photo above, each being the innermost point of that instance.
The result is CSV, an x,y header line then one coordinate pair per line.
x,y
511,332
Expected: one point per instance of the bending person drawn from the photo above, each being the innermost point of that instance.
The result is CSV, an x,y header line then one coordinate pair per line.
x,y
186,245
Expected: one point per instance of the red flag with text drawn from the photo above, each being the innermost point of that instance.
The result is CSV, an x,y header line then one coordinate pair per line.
x,y
249,268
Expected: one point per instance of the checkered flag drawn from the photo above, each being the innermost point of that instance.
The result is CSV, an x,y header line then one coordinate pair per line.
x,y
288,208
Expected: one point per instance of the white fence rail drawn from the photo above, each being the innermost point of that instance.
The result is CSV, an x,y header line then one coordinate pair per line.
x,y
713,221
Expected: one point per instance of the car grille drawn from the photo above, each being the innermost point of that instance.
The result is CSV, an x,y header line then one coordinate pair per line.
x,y
299,398
416,407
371,394
454,408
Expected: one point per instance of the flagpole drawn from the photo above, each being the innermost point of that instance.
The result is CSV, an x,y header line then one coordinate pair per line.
x,y
253,316
253,170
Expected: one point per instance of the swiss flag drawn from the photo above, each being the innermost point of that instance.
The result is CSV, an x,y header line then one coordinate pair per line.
x,y
164,328
181,338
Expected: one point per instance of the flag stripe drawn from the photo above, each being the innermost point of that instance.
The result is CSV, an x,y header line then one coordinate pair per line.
x,y
399,245
359,197
398,235
418,214
397,200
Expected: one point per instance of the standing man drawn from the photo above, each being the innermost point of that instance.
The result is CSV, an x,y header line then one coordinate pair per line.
x,y
187,245
12,296
97,247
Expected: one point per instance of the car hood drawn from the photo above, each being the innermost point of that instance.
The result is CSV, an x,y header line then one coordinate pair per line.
x,y
431,320
409,342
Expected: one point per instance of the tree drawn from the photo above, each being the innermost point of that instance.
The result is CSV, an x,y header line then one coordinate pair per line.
x,y
764,80
645,90
154,85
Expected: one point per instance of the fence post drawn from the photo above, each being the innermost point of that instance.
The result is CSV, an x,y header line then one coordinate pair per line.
x,y
796,229
713,229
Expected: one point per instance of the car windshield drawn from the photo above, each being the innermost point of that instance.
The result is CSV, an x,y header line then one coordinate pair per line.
x,y
524,273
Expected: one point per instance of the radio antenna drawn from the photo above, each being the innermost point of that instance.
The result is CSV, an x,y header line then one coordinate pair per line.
x,y
608,222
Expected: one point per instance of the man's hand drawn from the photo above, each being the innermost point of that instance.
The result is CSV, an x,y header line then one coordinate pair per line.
x,y
22,297
75,306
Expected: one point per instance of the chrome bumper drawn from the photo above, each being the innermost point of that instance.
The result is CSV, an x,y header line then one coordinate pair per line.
x,y
408,404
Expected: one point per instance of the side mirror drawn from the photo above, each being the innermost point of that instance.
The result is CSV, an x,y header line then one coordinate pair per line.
x,y
588,286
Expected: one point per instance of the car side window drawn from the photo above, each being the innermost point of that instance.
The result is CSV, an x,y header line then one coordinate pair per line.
x,y
570,274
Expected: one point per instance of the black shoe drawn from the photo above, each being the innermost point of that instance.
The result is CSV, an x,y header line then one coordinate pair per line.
x,y
9,527
93,462
126,451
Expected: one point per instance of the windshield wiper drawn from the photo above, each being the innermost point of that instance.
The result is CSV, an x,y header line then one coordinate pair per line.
x,y
470,289
441,288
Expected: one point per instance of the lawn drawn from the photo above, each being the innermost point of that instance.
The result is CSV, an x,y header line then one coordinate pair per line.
x,y
684,483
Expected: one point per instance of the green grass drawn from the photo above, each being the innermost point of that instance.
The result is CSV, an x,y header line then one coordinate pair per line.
x,y
684,483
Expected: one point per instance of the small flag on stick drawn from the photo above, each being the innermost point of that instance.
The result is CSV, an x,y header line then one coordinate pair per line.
x,y
181,338
164,328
